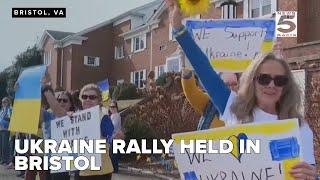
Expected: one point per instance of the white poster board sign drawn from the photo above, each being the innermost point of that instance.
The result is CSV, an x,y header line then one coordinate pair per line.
x,y
279,150
82,125
230,45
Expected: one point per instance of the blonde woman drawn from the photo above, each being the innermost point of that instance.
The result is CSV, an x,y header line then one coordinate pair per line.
x,y
267,92
90,96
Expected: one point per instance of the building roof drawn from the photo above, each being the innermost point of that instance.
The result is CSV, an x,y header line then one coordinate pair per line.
x,y
64,37
58,35
135,11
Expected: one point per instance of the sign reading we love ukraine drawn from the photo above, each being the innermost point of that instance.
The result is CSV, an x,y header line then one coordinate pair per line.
x,y
280,150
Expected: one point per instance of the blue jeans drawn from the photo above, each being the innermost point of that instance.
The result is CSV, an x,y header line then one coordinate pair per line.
x,y
114,159
4,146
11,150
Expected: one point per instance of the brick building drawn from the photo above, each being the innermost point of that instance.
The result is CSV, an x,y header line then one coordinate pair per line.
x,y
128,47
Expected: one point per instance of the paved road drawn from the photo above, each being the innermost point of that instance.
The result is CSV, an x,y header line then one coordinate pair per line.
x,y
10,175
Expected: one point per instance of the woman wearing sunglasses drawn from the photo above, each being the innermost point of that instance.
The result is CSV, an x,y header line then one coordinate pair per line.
x,y
90,96
267,92
117,133
65,101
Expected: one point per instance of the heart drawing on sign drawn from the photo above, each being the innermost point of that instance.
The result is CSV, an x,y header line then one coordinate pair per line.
x,y
236,145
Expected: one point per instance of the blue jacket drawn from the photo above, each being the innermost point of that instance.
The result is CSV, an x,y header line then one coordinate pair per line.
x,y
107,128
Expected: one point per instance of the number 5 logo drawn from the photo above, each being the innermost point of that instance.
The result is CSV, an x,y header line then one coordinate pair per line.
x,y
286,24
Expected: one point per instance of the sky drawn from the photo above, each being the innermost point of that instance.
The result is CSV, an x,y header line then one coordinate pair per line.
x,y
17,34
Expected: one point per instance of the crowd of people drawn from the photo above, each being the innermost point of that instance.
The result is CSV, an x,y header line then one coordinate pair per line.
x,y
58,105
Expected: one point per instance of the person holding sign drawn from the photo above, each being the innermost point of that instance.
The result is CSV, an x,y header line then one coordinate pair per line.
x,y
200,100
90,96
66,103
5,114
267,92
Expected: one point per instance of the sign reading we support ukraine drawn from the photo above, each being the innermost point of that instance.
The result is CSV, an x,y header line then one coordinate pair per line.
x,y
280,149
230,45
27,102
85,125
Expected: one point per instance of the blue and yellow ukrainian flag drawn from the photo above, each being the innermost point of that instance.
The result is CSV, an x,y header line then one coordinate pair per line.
x,y
27,103
104,87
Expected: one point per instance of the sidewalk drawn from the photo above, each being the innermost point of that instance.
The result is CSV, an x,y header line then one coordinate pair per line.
x,y
124,174
145,172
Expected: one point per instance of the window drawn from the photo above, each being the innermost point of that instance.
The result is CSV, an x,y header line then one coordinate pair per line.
x,y
260,8
138,78
173,64
47,58
229,10
138,43
159,70
163,47
92,61
118,52
120,81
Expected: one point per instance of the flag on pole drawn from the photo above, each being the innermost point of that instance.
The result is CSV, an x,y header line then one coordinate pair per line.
x,y
27,103
104,87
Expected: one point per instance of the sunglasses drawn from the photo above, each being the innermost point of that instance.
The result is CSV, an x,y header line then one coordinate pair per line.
x,y
279,80
91,97
113,106
63,100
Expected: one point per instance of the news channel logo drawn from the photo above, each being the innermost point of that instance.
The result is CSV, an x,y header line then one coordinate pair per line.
x,y
286,23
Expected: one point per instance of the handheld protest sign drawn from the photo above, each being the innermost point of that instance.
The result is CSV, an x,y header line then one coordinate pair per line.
x,y
83,125
231,45
279,144
27,102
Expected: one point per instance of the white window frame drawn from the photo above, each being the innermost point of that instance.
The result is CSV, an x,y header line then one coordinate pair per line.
x,y
118,52
47,58
171,36
273,9
140,80
171,59
223,10
143,38
158,72
96,62
120,81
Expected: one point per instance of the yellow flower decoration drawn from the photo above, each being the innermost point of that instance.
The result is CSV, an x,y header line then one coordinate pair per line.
x,y
194,7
